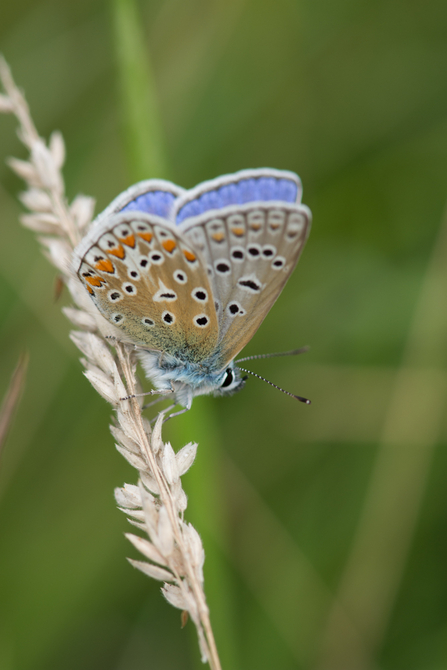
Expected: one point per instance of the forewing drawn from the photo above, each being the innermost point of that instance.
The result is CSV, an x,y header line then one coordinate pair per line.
x,y
150,283
250,250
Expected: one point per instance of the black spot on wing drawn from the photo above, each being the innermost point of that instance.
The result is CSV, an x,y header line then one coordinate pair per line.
x,y
249,284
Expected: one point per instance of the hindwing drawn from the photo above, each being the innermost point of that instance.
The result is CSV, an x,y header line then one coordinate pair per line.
x,y
250,251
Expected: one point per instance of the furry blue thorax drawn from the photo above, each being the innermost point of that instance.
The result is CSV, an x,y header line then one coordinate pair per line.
x,y
188,380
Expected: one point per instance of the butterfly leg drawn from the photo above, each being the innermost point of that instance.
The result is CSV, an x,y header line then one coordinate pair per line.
x,y
168,409
154,402
171,416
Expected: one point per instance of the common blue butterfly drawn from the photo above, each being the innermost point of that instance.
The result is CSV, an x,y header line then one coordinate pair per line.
x,y
189,276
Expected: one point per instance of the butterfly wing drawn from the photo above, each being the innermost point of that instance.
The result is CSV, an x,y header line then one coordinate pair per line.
x,y
150,283
152,196
194,273
250,245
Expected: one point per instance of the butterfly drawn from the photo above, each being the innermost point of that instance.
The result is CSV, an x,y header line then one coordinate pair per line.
x,y
188,276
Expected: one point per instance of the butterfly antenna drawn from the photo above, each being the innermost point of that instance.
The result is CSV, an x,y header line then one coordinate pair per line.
x,y
294,352
292,395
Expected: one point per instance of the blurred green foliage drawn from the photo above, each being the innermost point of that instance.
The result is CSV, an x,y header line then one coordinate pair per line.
x,y
331,537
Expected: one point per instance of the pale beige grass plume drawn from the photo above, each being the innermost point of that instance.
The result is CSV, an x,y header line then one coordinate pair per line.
x,y
174,552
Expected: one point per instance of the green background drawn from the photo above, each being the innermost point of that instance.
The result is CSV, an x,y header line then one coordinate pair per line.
x,y
325,526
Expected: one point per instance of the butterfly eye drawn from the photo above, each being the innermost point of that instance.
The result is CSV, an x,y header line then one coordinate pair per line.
x,y
229,378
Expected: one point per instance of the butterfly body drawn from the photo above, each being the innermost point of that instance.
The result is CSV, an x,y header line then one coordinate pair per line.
x,y
188,276
187,379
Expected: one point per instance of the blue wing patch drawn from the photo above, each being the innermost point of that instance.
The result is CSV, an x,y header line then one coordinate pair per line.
x,y
152,196
245,187
154,202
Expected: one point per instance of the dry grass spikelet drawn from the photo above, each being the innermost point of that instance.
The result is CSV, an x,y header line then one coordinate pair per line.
x,y
173,552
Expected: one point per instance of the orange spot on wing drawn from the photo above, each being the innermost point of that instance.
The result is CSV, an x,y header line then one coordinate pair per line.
x,y
90,290
238,231
218,237
189,255
146,236
275,226
105,266
255,226
118,252
169,245
128,241
95,281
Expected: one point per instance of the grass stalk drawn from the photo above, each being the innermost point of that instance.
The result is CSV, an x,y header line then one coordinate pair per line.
x,y
146,155
142,125
156,506
207,512
12,398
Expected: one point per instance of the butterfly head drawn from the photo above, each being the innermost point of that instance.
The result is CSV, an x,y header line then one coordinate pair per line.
x,y
230,381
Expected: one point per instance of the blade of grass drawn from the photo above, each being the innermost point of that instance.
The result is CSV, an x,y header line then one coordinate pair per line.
x,y
374,569
12,398
147,158
282,579
141,120
207,508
